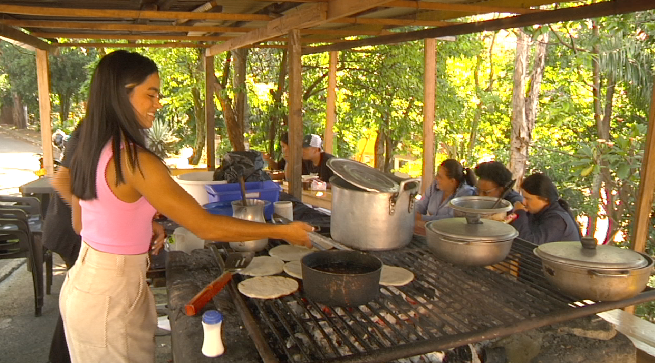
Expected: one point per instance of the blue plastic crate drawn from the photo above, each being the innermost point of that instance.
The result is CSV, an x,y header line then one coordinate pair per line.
x,y
266,190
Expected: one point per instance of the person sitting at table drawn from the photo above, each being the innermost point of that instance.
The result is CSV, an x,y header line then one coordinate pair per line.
x,y
314,158
451,181
543,216
118,185
492,177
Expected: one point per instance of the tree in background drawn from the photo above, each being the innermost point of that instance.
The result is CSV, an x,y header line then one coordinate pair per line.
x,y
69,70
19,67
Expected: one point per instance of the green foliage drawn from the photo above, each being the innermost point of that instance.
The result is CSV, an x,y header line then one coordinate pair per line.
x,y
19,67
161,138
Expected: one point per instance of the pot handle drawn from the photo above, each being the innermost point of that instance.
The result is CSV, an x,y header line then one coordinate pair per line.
x,y
623,273
413,191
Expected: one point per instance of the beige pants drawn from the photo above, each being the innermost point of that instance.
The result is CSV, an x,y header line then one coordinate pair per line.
x,y
108,310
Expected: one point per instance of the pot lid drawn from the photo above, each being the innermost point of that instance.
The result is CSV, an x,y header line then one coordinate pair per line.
x,y
487,231
604,256
363,176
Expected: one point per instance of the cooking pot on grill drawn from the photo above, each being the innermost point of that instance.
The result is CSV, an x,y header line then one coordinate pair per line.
x,y
605,273
341,278
371,210
473,244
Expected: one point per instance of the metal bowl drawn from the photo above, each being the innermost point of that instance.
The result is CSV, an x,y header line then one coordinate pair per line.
x,y
475,207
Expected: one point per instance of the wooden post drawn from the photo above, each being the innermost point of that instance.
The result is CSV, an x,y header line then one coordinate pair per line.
x,y
331,102
429,87
43,82
295,114
646,186
209,112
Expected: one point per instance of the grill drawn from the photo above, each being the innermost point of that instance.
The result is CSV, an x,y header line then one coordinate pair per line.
x,y
446,306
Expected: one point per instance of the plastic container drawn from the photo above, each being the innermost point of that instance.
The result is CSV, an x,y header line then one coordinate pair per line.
x,y
185,241
220,208
194,183
212,343
266,190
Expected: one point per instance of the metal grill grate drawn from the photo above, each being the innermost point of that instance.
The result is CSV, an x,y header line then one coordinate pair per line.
x,y
444,307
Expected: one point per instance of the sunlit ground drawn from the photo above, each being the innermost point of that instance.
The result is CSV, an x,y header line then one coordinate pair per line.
x,y
16,169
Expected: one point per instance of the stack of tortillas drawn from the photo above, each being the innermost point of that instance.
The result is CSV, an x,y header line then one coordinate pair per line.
x,y
264,285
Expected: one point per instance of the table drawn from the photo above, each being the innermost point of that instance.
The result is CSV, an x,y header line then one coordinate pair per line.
x,y
41,189
321,199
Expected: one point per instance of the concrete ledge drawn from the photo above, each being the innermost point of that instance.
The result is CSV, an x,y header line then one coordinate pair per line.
x,y
7,267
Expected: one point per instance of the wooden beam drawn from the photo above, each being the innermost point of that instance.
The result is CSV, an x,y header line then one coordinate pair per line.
x,y
129,36
127,14
345,32
646,186
429,92
133,45
330,111
394,22
210,121
465,8
43,85
23,39
121,26
295,115
304,16
606,8
201,9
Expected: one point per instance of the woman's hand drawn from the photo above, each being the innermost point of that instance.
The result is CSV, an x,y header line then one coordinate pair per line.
x,y
296,233
158,237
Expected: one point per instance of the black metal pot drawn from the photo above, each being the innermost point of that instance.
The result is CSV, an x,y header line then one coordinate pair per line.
x,y
341,278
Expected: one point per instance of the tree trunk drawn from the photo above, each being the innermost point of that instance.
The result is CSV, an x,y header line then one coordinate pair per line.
x,y
539,65
595,195
201,125
234,129
379,151
64,108
388,155
521,133
7,114
277,104
240,94
19,116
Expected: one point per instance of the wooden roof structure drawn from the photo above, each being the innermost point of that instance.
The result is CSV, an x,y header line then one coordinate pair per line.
x,y
306,26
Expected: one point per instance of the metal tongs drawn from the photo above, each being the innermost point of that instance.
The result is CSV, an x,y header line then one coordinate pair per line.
x,y
318,240
506,190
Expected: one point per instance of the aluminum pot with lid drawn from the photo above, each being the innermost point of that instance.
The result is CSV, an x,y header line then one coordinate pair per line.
x,y
589,271
371,210
473,244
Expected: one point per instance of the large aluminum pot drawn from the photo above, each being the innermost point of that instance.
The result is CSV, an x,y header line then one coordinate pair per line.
x,y
480,244
605,273
367,220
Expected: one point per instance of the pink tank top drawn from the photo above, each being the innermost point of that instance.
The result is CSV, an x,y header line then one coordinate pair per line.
x,y
112,225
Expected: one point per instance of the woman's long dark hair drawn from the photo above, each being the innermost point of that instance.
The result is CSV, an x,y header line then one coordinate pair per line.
x,y
540,185
455,170
110,116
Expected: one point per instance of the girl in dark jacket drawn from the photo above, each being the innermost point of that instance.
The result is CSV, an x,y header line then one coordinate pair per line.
x,y
544,216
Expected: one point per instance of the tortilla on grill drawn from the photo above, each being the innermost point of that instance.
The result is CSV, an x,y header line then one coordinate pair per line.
x,y
289,252
293,269
395,276
268,287
263,266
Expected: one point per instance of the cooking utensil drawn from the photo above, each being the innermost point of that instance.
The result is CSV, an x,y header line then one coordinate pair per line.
x,y
242,183
252,210
473,244
367,220
341,278
234,262
363,176
506,190
317,240
605,273
475,207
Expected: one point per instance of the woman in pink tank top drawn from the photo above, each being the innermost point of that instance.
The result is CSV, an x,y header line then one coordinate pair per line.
x,y
118,185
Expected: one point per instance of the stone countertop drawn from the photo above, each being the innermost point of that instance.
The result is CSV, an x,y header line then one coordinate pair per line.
x,y
186,275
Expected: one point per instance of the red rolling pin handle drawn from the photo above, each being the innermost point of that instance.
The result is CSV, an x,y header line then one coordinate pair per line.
x,y
201,298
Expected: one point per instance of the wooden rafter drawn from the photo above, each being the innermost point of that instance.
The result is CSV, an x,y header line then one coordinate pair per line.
x,y
128,14
301,17
543,17
467,8
22,39
130,36
120,26
133,45
395,22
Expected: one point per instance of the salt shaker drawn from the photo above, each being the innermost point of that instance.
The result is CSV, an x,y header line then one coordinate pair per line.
x,y
212,322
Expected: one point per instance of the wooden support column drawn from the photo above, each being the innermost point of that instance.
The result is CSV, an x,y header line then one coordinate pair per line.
x,y
43,82
429,87
331,102
646,189
295,115
646,186
209,112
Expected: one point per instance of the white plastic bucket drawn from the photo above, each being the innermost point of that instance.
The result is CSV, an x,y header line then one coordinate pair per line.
x,y
194,183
